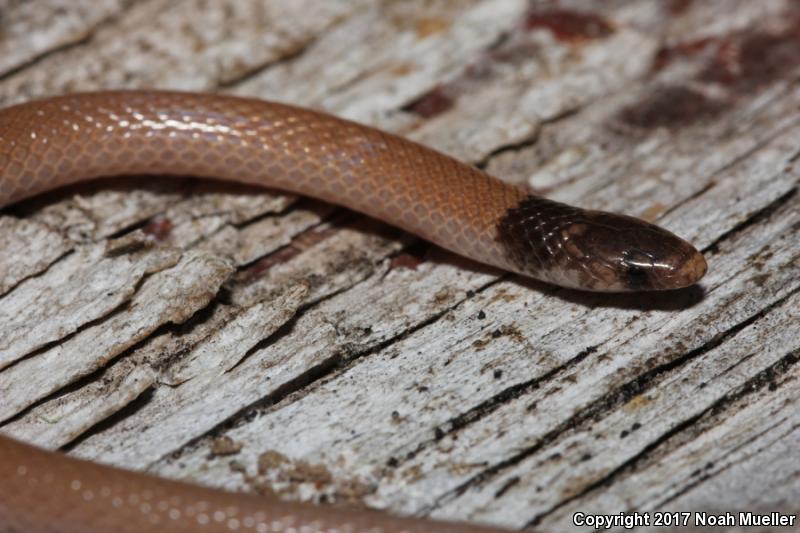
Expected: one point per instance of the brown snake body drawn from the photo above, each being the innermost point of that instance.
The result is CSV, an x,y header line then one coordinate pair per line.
x,y
63,140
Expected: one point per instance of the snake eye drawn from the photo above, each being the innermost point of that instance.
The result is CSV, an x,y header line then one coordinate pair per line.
x,y
637,265
635,277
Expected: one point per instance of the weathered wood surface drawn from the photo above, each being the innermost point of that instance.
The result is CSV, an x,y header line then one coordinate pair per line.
x,y
256,341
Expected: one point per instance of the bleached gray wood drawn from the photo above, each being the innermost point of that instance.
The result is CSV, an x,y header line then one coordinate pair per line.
x,y
255,341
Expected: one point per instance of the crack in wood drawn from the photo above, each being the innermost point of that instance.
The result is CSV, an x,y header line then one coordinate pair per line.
x,y
708,472
532,139
257,70
512,393
39,274
80,329
730,164
612,400
137,404
645,381
757,216
751,386
294,389
84,40
336,214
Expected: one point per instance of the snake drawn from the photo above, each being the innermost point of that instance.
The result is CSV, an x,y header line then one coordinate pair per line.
x,y
62,140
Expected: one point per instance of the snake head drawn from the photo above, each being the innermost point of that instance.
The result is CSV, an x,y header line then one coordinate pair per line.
x,y
595,250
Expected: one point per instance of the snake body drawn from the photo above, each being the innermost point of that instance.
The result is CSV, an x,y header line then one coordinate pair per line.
x,y
58,141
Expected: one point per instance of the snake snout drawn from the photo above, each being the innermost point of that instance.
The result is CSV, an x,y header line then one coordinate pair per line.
x,y
616,253
639,256
667,270
689,271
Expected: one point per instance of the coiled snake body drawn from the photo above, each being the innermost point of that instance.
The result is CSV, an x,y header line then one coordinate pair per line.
x,y
58,141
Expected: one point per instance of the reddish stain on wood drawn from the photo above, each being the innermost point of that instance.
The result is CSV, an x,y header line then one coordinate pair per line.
x,y
285,254
724,65
678,7
756,60
257,269
481,68
739,64
434,102
159,229
667,54
744,60
516,53
568,25
408,261
670,107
